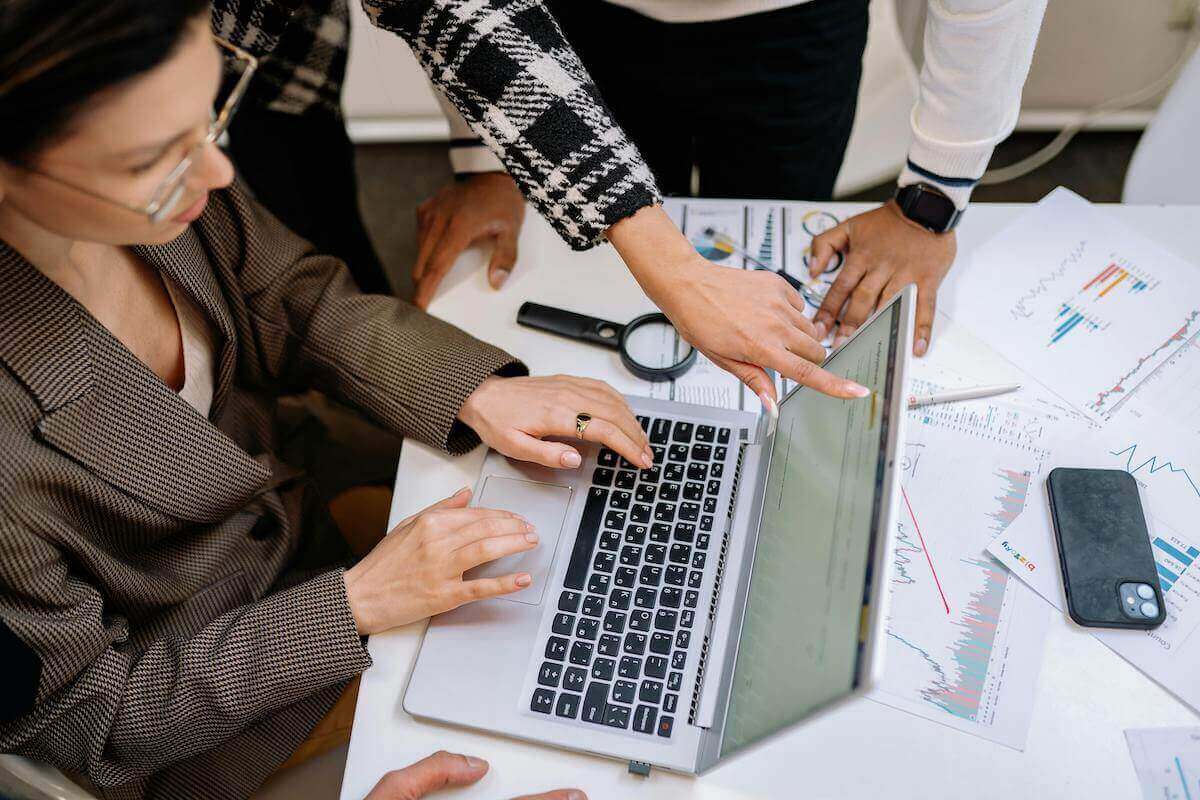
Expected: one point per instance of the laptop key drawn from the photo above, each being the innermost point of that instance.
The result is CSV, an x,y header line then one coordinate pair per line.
x,y
616,716
598,583
706,523
701,452
660,643
645,493
585,539
631,555
650,575
587,628
639,513
670,703
695,577
697,472
607,458
643,719
569,601
660,532
687,618
683,639
651,692
563,624
645,597
635,534
656,667
671,597
660,453
714,487
603,669
684,531
543,701
698,560
689,512
594,702
556,648
603,476
710,505
693,491
626,577
610,541
669,492
660,431
549,674
615,520
625,480
593,606
702,541
624,691
705,433
620,599
673,472
614,622
664,512
678,659
635,643
651,474
581,653
644,421
665,620
603,562
568,705
656,554
639,620
677,453
620,500
691,597
723,436
575,679
611,645
664,727
675,575
675,681
717,470
682,431
680,553
719,454
629,667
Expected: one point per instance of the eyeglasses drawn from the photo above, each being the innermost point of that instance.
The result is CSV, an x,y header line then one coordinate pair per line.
x,y
171,189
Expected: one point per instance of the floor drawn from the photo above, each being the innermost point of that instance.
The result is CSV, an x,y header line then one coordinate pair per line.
x,y
395,178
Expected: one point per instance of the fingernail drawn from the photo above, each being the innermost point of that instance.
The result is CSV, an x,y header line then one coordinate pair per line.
x,y
463,489
573,795
531,537
820,328
856,389
838,341
499,277
571,459
767,402
920,347
647,461
524,580
475,763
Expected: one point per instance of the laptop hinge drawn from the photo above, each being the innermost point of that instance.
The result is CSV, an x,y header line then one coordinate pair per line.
x,y
704,705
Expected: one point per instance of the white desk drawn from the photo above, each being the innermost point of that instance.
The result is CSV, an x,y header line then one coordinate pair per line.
x,y
1087,695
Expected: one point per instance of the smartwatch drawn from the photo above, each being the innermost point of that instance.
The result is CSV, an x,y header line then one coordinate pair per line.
x,y
927,206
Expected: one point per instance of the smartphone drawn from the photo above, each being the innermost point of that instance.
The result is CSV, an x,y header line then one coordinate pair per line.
x,y
1108,568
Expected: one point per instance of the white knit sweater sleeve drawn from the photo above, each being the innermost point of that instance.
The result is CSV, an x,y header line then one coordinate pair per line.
x,y
977,55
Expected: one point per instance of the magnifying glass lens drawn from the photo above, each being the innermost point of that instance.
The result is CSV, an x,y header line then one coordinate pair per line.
x,y
656,346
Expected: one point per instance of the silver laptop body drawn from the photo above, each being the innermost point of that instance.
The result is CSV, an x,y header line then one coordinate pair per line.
x,y
787,591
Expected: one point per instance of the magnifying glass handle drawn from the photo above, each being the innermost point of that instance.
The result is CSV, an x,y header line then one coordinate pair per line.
x,y
571,325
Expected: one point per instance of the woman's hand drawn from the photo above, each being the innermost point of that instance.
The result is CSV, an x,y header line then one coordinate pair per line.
x,y
417,570
512,415
483,206
744,321
444,770
884,252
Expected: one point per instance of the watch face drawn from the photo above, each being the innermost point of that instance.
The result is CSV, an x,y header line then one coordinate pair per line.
x,y
930,209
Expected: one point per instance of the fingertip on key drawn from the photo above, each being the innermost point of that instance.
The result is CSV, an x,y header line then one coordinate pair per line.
x,y
570,459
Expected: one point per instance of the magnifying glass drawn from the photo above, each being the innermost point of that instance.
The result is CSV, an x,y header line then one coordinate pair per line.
x,y
650,347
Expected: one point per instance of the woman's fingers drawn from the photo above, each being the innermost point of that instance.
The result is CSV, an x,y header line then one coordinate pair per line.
x,y
807,373
459,499
837,294
824,245
613,437
490,528
752,375
431,774
497,541
483,588
864,297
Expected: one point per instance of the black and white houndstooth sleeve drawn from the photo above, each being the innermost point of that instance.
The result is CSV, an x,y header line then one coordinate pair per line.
x,y
508,69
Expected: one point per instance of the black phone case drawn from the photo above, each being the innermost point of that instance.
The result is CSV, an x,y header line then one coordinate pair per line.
x,y
1102,542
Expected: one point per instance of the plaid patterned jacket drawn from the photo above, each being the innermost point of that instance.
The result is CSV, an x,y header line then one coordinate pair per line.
x,y
506,67
156,630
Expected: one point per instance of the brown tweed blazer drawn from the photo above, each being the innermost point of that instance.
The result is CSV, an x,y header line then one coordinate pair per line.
x,y
155,631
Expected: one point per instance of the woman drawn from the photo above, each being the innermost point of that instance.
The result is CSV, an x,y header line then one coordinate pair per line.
x,y
175,615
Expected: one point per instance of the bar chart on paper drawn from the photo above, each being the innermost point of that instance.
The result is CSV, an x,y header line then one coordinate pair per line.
x,y
965,637
1099,314
1167,762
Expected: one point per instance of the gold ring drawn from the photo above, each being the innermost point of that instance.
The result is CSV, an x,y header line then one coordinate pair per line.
x,y
581,423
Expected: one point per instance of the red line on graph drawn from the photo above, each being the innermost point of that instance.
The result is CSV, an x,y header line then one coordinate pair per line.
x,y
917,525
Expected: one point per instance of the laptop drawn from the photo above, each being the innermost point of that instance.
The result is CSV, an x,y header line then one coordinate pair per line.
x,y
682,614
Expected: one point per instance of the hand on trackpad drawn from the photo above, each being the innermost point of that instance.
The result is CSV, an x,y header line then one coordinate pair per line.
x,y
545,506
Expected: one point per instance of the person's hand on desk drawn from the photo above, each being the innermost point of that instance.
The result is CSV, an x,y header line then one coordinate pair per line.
x,y
483,206
744,321
512,415
884,252
444,770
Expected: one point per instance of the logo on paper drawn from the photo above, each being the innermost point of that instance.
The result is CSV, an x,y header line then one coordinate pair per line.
x,y
1020,559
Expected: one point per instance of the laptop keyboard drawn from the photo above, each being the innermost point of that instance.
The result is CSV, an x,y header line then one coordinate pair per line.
x,y
623,631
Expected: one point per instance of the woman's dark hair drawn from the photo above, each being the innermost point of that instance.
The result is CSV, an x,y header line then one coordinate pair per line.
x,y
56,55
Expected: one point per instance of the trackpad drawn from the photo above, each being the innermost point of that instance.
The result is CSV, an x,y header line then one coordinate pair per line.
x,y
543,504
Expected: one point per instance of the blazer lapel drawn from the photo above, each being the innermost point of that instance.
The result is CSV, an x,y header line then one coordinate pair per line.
x,y
106,410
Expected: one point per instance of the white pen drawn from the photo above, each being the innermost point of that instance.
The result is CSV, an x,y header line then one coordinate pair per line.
x,y
961,394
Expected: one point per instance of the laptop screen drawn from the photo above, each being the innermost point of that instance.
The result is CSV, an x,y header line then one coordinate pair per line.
x,y
801,643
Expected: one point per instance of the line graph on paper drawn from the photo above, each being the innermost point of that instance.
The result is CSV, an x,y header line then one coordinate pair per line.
x,y
965,639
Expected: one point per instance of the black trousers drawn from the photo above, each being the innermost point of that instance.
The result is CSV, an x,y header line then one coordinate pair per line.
x,y
301,167
761,104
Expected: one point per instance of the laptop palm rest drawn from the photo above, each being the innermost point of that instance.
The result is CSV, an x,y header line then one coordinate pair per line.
x,y
545,506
